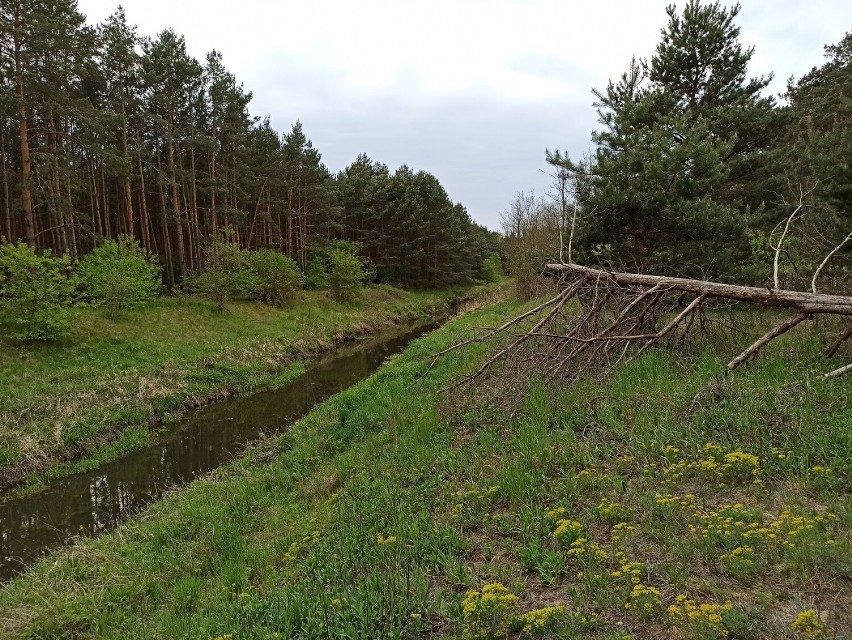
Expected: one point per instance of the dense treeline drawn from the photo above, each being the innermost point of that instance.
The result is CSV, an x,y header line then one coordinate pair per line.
x,y
105,133
694,167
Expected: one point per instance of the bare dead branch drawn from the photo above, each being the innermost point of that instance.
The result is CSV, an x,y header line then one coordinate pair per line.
x,y
834,346
838,372
671,325
825,261
573,226
561,299
492,332
778,247
765,339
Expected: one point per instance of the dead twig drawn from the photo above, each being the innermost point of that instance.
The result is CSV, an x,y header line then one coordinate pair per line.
x,y
765,339
838,372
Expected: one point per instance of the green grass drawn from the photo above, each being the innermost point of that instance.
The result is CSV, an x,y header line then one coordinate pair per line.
x,y
151,364
377,514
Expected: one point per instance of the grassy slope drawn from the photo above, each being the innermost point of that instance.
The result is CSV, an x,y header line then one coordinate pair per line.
x,y
153,362
375,514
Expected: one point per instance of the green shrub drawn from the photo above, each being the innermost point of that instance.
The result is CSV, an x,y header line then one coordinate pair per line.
x,y
491,269
225,274
316,275
346,276
35,293
278,277
320,263
119,274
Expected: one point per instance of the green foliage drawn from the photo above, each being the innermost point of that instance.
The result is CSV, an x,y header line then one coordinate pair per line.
x,y
532,229
819,141
90,381
225,274
316,275
119,274
157,122
333,265
346,276
491,269
278,277
343,544
685,153
487,614
408,227
35,293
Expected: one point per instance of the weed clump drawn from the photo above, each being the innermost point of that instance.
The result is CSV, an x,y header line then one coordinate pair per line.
x,y
703,621
488,613
809,626
539,622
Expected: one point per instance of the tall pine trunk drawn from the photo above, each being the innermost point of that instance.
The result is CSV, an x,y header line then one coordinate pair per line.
x,y
145,222
195,229
167,242
176,198
97,223
130,218
214,220
7,207
26,166
105,199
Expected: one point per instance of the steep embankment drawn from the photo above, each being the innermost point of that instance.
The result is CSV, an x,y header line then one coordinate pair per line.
x,y
651,505
104,390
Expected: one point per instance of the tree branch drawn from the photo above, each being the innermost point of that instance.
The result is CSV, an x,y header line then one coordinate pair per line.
x,y
800,300
765,339
837,372
834,346
825,260
775,268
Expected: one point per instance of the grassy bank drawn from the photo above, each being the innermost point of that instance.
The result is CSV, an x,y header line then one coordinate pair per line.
x,y
100,391
648,506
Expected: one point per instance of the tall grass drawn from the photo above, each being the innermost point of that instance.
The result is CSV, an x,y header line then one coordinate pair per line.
x,y
151,363
374,515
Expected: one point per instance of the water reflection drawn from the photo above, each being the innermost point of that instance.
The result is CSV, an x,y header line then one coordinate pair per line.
x,y
97,501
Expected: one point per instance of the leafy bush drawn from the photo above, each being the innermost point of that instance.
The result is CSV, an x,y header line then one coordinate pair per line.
x,y
346,276
491,269
316,275
35,292
225,274
119,274
320,263
278,277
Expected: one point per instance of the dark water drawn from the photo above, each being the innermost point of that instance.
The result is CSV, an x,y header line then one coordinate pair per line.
x,y
96,501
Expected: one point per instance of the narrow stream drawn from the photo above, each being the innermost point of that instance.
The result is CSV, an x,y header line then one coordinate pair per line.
x,y
96,501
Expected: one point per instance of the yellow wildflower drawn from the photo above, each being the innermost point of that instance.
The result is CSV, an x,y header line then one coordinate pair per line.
x,y
810,626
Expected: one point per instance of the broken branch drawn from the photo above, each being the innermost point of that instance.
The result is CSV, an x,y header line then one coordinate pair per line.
x,y
761,342
825,261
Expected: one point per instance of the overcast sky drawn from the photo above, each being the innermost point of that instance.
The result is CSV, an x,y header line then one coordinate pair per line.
x,y
472,91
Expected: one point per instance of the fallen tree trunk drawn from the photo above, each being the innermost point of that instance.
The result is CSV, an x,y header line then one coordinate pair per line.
x,y
800,300
619,310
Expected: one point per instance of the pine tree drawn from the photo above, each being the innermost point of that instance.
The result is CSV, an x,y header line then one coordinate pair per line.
x,y
821,125
819,142
680,159
120,65
40,44
104,134
700,70
170,75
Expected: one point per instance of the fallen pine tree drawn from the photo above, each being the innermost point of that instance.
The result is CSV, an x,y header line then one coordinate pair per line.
x,y
623,314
